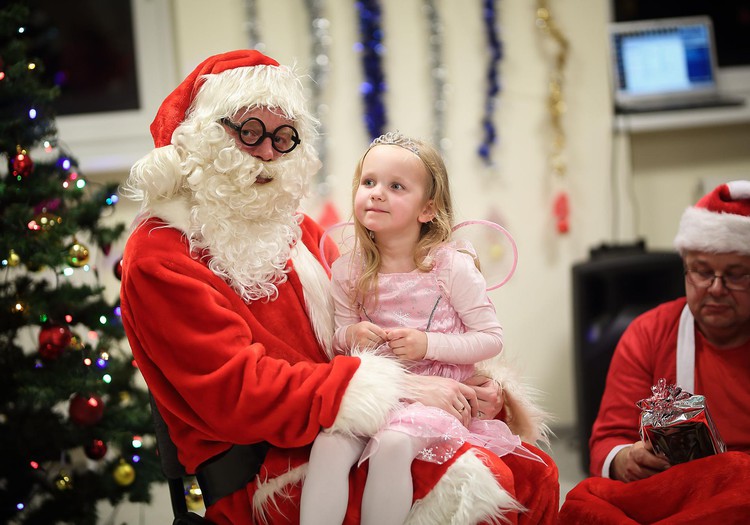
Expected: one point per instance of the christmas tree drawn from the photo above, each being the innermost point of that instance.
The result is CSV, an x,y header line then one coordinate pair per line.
x,y
75,424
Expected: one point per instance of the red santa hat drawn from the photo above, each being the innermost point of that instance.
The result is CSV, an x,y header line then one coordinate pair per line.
x,y
226,82
719,222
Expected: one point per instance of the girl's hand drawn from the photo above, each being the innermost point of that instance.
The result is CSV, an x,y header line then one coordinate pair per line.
x,y
365,335
407,343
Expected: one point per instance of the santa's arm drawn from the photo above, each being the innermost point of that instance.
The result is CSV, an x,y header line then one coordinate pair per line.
x,y
199,359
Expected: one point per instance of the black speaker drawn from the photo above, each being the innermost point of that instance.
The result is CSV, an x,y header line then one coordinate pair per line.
x,y
614,286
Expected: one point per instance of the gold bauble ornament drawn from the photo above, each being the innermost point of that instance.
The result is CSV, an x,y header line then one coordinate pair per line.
x,y
125,398
13,259
76,343
124,473
194,497
63,481
46,221
78,255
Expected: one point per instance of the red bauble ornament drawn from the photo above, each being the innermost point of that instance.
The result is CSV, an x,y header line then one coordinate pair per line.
x,y
97,449
53,340
118,269
20,164
86,409
561,209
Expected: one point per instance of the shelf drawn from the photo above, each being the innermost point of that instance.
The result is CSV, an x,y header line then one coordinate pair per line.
x,y
682,119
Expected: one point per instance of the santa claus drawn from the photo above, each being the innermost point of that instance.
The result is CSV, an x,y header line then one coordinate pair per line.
x,y
226,307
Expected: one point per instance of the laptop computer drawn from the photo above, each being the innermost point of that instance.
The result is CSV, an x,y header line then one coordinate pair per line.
x,y
665,64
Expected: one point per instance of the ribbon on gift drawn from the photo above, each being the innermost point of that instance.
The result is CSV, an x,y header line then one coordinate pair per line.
x,y
665,402
677,424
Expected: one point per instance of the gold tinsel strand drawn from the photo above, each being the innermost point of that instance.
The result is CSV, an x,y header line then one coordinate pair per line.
x,y
557,108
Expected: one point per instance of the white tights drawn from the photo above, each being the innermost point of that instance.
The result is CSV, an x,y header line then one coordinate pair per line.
x,y
388,493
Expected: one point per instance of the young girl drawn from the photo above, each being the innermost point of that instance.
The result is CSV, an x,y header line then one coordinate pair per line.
x,y
406,290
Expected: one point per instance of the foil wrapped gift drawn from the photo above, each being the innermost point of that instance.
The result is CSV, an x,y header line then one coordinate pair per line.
x,y
678,425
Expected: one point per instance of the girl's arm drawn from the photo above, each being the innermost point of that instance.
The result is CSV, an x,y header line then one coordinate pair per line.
x,y
466,289
350,331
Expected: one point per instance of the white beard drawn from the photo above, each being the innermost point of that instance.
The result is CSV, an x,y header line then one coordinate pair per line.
x,y
247,229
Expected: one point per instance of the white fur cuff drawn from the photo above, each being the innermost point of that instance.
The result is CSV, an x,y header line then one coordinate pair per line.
x,y
374,391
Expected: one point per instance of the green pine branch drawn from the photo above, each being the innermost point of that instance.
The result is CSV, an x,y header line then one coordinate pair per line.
x,y
38,438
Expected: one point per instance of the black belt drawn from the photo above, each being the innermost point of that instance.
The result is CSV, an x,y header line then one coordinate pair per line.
x,y
230,471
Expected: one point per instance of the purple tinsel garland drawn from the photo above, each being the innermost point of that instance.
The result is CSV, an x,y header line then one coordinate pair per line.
x,y
493,83
372,48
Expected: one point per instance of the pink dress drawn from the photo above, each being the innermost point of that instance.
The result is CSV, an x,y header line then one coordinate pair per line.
x,y
450,303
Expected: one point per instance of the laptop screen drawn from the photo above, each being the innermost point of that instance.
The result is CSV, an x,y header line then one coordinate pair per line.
x,y
664,57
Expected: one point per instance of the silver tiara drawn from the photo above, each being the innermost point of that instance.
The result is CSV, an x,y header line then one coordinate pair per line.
x,y
396,138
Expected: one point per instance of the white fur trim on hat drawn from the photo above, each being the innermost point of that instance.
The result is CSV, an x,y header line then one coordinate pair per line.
x,y
708,227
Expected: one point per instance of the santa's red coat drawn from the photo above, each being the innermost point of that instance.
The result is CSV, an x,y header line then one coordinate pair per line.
x,y
647,352
710,490
223,372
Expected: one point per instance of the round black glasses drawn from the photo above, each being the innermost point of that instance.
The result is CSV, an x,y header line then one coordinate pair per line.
x,y
253,131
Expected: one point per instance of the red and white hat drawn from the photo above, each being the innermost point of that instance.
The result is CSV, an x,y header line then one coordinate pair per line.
x,y
719,222
225,83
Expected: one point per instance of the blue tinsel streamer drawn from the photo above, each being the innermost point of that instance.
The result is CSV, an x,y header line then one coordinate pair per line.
x,y
493,83
371,47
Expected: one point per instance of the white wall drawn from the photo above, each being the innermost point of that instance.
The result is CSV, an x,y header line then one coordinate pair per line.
x,y
535,307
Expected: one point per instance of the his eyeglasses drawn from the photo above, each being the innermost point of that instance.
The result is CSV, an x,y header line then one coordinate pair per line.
x,y
252,132
731,281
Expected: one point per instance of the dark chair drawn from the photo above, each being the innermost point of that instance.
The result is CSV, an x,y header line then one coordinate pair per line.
x,y
174,472
614,286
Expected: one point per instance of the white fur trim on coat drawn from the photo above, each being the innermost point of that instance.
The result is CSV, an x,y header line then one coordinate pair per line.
x,y
524,417
269,491
317,292
374,390
467,493
174,212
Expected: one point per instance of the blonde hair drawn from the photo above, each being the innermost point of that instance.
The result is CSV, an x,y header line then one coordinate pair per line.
x,y
432,234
